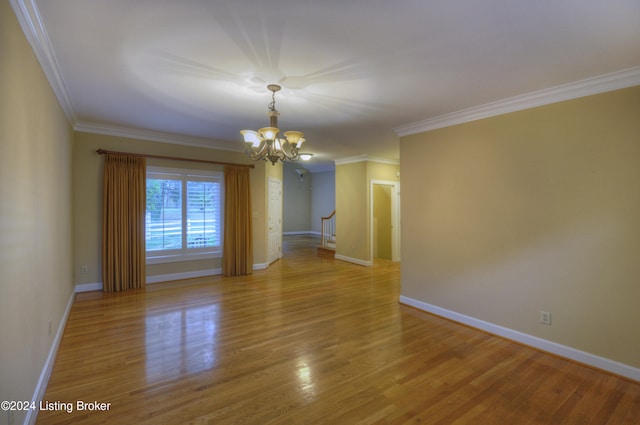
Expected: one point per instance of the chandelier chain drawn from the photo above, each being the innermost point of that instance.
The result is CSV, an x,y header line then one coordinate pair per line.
x,y
272,105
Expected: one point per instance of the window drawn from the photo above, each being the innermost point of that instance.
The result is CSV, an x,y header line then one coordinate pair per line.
x,y
184,214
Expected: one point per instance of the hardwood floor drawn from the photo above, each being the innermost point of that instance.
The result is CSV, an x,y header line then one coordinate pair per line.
x,y
311,340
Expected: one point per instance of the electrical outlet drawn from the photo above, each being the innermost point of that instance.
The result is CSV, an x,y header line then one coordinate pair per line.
x,y
545,317
50,327
84,269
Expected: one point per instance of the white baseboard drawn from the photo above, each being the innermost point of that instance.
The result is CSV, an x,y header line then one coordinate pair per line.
x,y
301,232
353,260
530,340
260,266
183,275
45,374
87,287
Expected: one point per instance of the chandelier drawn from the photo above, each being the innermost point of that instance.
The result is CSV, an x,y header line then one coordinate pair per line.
x,y
265,144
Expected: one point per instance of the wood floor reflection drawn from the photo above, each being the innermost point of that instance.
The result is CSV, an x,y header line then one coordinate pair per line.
x,y
311,340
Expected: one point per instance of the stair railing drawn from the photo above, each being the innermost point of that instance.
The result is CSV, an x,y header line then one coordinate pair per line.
x,y
329,231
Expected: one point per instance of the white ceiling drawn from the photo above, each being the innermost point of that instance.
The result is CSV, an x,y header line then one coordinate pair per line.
x,y
196,71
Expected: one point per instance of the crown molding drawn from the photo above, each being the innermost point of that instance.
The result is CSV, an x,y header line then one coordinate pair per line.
x,y
351,159
30,20
156,136
33,27
365,158
590,86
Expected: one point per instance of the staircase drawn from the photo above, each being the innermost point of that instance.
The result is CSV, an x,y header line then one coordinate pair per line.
x,y
327,246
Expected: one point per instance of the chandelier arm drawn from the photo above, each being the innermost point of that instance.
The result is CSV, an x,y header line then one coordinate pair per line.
x,y
272,148
289,154
291,151
255,153
272,154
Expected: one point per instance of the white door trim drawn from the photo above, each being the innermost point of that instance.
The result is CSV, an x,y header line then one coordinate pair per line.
x,y
395,217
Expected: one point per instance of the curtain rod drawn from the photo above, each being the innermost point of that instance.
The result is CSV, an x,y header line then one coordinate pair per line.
x,y
175,158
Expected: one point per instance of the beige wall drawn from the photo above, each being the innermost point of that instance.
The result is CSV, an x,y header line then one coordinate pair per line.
x,y
533,210
259,180
352,211
88,199
382,221
382,171
35,215
353,204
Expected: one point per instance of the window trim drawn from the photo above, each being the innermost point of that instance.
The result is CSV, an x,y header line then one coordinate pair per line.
x,y
185,253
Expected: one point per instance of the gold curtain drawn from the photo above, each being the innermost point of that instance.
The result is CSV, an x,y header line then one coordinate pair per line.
x,y
238,236
123,214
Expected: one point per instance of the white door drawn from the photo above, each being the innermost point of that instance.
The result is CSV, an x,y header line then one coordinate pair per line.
x,y
274,220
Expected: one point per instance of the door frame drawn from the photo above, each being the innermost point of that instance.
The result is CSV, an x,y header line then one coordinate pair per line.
x,y
395,217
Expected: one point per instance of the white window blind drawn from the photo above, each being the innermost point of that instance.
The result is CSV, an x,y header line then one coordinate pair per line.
x,y
183,214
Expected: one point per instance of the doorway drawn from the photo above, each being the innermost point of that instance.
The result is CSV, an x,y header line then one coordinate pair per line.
x,y
385,220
